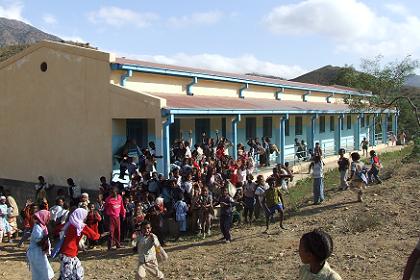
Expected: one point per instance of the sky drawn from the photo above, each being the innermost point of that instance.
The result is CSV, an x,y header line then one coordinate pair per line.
x,y
283,38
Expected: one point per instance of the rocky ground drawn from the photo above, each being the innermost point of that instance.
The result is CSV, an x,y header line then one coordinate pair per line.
x,y
372,241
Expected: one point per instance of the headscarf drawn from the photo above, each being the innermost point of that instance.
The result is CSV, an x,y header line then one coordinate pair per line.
x,y
43,217
77,219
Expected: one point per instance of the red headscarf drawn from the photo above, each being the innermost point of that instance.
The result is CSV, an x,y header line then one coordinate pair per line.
x,y
43,218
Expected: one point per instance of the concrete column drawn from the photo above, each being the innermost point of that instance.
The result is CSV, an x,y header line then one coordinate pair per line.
x,y
235,122
338,133
395,124
282,137
357,132
311,144
159,143
384,128
166,144
373,130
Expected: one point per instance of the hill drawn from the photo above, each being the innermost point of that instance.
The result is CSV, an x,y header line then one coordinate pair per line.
x,y
14,32
413,81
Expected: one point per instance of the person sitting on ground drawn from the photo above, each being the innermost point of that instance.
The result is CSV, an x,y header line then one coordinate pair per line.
x,y
273,201
315,248
373,173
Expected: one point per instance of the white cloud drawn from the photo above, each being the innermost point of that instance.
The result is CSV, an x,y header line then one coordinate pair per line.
x,y
397,8
118,17
12,11
350,24
246,63
204,18
49,19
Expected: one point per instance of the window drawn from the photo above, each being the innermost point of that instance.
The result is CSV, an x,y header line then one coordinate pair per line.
x,y
332,123
174,131
251,128
321,124
362,121
268,127
349,122
287,127
298,125
367,120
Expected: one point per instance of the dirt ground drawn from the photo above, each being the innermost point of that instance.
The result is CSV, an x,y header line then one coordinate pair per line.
x,y
372,241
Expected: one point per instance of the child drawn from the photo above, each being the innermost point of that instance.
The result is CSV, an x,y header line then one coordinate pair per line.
x,y
27,214
315,248
226,202
84,201
148,246
374,169
181,210
273,201
358,178
317,167
92,220
249,198
40,248
4,224
70,265
206,211
365,146
343,168
262,186
138,217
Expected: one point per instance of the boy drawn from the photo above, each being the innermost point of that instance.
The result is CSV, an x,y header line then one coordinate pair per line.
x,y
273,201
181,210
365,146
343,168
148,246
374,169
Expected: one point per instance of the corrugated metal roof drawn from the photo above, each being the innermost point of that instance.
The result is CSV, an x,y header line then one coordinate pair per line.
x,y
177,101
314,87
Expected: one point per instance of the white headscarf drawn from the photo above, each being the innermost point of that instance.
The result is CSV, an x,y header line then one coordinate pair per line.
x,y
77,219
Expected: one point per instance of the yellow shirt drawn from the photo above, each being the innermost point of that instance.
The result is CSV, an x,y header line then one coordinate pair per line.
x,y
326,273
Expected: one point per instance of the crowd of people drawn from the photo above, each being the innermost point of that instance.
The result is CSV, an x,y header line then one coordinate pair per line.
x,y
203,183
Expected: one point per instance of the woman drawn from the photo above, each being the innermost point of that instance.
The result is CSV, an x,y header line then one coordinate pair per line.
x,y
5,227
70,266
40,247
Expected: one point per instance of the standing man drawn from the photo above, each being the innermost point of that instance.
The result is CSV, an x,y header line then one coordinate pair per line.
x,y
74,191
41,189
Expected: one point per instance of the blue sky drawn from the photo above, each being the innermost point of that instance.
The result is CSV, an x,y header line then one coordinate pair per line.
x,y
283,38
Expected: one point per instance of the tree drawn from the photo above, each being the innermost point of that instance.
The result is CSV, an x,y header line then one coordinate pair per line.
x,y
386,82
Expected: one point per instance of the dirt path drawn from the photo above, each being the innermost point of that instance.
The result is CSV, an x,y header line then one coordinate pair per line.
x,y
372,241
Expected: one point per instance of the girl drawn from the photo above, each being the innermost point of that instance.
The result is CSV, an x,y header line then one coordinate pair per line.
x,y
70,266
181,210
358,179
92,220
40,247
315,248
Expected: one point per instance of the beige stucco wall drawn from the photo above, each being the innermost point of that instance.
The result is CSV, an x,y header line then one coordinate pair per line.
x,y
154,83
58,123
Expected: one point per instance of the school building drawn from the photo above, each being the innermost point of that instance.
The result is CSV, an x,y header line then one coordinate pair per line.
x,y
66,110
